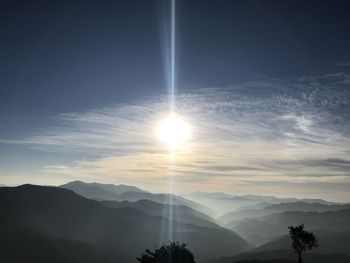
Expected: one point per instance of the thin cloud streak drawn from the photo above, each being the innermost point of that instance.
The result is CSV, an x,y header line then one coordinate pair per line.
x,y
272,131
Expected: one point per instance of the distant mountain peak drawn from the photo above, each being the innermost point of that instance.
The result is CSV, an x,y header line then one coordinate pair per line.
x,y
99,190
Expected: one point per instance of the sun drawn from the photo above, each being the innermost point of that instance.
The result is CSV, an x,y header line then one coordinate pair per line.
x,y
174,131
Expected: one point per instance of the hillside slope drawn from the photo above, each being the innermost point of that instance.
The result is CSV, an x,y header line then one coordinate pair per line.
x,y
124,232
267,228
181,213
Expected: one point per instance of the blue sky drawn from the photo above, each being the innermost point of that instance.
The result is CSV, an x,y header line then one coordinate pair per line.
x,y
265,86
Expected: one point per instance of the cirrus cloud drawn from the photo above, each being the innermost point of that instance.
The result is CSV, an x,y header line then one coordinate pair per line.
x,y
295,131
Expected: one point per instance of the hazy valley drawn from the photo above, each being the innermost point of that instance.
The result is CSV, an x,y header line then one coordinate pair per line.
x,y
109,223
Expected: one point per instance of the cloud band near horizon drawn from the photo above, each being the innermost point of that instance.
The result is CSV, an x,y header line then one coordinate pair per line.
x,y
269,137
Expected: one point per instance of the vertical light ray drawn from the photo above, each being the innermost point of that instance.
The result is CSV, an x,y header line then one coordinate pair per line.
x,y
172,58
168,229
172,110
171,196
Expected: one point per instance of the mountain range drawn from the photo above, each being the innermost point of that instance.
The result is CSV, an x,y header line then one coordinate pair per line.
x,y
99,191
180,213
222,203
116,223
119,233
267,228
266,209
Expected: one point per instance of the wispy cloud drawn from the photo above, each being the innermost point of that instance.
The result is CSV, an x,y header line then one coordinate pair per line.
x,y
292,131
343,64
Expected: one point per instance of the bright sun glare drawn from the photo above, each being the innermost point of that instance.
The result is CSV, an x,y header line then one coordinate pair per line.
x,y
174,131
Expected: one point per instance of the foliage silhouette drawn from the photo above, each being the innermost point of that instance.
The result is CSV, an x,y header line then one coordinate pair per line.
x,y
301,240
174,252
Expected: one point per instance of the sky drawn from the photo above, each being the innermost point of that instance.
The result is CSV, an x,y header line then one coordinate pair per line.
x,y
265,86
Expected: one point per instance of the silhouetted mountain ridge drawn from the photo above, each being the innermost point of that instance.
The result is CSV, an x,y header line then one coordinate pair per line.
x,y
181,213
330,242
267,228
99,191
281,256
62,214
279,208
23,244
223,203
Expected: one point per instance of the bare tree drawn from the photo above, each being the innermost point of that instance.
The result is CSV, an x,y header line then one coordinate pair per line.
x,y
301,240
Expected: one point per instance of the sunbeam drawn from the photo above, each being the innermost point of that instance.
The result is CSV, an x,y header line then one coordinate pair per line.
x,y
170,130
172,59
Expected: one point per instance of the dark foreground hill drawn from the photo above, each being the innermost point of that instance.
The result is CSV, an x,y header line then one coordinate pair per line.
x,y
282,256
264,229
23,244
329,242
120,234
